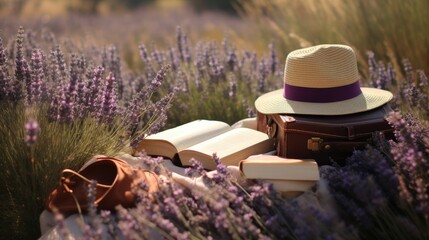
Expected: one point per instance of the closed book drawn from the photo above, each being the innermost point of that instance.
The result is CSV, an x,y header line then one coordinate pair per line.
x,y
291,185
274,167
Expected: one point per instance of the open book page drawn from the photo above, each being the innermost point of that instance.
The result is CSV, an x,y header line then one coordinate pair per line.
x,y
274,167
167,143
230,147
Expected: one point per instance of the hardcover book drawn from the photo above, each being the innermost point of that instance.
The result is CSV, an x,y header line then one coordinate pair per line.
x,y
279,168
291,185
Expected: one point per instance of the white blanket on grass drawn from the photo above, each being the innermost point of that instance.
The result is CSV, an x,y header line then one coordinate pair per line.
x,y
73,222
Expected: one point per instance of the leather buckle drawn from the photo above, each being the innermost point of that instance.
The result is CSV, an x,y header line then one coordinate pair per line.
x,y
314,144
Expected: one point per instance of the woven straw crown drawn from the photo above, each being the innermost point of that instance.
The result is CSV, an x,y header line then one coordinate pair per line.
x,y
321,67
322,80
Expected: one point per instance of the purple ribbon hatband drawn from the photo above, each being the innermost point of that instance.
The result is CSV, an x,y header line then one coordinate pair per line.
x,y
321,95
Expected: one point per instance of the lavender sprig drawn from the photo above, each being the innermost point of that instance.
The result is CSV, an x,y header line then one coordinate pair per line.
x,y
4,75
22,72
34,93
108,101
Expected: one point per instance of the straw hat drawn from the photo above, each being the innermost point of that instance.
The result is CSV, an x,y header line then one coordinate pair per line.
x,y
322,80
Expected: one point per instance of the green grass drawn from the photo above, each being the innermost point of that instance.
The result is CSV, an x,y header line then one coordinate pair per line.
x,y
392,29
24,185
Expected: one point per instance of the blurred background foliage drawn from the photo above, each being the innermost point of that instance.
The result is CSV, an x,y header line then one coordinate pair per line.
x,y
393,30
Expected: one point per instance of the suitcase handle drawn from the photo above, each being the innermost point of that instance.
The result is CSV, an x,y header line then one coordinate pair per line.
x,y
317,144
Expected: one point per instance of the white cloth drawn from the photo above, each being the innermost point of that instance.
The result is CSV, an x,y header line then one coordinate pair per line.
x,y
73,223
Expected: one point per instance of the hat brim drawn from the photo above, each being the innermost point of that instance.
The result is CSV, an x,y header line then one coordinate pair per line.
x,y
274,102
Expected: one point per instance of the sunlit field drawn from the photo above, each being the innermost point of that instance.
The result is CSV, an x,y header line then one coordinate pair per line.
x,y
95,77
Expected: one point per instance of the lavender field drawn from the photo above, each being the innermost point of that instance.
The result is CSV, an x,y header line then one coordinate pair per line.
x,y
80,80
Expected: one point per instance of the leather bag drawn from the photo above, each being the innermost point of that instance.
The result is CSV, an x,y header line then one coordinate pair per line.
x,y
115,179
324,138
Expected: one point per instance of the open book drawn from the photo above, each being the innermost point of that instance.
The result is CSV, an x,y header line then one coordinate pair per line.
x,y
201,138
273,167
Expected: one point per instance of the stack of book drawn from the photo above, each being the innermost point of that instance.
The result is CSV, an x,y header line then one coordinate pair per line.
x,y
288,176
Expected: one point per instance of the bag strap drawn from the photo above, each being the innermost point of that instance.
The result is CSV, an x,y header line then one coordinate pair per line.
x,y
80,176
64,182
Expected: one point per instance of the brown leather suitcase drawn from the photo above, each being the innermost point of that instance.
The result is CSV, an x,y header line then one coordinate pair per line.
x,y
324,138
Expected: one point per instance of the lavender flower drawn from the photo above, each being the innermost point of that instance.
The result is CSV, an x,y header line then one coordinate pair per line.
x,y
75,77
232,87
160,76
182,45
408,68
410,155
22,72
3,57
68,100
66,109
216,68
54,106
391,75
222,173
372,65
4,75
231,57
80,91
144,55
273,62
413,94
112,63
126,222
423,79
59,67
157,56
32,131
108,101
262,76
181,82
108,220
92,90
93,228
196,169
422,196
382,79
34,91
173,59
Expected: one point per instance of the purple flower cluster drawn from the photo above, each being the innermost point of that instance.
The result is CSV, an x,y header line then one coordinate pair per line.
x,y
411,160
410,93
35,86
79,89
142,102
366,183
181,213
4,75
93,228
22,71
211,74
380,76
108,101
